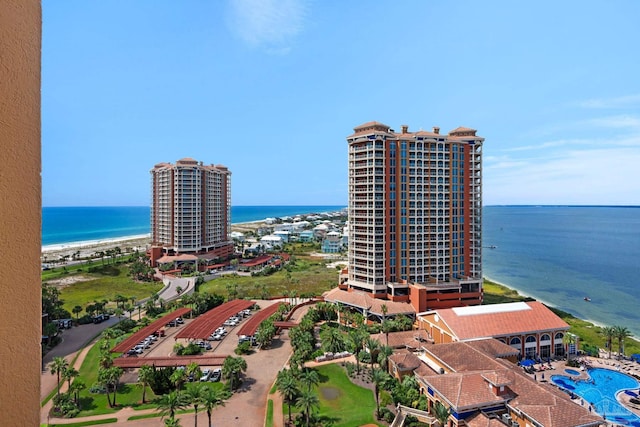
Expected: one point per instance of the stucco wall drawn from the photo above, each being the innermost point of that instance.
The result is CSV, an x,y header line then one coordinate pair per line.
x,y
20,212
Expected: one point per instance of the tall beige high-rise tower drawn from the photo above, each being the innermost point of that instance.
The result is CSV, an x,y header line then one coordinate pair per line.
x,y
415,215
190,208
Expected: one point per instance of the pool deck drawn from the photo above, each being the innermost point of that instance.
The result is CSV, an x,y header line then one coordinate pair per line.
x,y
544,372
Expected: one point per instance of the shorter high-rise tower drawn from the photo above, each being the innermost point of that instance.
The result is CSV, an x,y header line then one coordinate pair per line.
x,y
190,208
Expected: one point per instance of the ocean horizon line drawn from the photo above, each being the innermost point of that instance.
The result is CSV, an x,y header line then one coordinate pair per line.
x,y
345,205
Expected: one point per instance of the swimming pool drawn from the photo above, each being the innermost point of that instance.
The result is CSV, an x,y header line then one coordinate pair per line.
x,y
572,372
600,390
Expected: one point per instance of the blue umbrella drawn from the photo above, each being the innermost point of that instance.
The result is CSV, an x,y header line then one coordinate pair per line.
x,y
527,362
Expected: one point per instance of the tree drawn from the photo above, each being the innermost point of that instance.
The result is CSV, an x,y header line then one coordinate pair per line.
x,y
168,404
109,378
383,356
50,330
441,413
306,402
288,387
172,422
58,366
77,310
387,326
232,368
194,395
378,377
75,388
309,378
212,398
69,374
145,375
333,340
357,337
609,332
621,333
373,346
569,340
193,371
178,378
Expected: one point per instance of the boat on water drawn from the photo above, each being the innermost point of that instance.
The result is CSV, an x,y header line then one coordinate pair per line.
x,y
587,299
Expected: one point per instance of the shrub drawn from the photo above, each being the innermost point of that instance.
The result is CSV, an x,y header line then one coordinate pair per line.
x,y
387,415
243,348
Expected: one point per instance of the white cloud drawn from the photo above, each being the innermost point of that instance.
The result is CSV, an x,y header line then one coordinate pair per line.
x,y
591,176
268,24
618,102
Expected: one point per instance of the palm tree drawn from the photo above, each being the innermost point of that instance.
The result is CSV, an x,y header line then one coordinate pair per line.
x,y
441,413
58,366
168,404
306,402
145,375
69,374
212,398
75,388
387,326
333,340
288,387
569,340
172,422
357,337
77,310
621,333
373,346
195,394
379,377
231,369
178,378
309,377
609,332
193,371
383,356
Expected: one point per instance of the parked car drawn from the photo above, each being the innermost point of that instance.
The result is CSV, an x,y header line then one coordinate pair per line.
x,y
206,374
172,324
179,320
205,345
215,375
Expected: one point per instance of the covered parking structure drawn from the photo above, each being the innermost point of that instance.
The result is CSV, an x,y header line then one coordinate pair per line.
x,y
161,362
203,326
251,325
134,339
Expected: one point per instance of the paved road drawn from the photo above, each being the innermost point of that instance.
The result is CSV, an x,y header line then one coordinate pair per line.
x,y
73,340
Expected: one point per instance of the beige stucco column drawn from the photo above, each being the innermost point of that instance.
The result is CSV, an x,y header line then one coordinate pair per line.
x,y
20,212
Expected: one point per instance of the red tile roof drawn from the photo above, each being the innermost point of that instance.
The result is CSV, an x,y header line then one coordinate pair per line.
x,y
405,339
366,301
500,320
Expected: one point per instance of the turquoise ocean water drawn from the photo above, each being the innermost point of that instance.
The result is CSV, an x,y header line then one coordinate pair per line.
x,y
79,224
556,254
560,255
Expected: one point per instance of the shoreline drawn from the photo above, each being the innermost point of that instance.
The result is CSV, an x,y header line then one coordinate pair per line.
x,y
52,252
526,295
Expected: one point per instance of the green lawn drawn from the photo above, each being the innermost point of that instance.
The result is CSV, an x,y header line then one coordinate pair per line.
x,y
111,281
308,277
343,404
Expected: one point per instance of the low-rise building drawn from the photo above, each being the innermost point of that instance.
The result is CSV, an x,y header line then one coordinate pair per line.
x,y
529,327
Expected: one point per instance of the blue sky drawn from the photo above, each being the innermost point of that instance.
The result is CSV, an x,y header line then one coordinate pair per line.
x,y
271,88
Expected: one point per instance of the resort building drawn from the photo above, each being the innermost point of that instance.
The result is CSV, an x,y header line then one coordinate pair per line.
x,y
190,209
415,216
481,386
528,327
